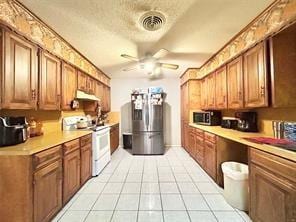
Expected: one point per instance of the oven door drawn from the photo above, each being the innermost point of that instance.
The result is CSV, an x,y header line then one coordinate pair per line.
x,y
101,143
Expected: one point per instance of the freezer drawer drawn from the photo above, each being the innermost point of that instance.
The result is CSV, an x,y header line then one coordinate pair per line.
x,y
148,143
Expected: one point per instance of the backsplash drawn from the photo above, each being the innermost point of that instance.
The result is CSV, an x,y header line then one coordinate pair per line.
x,y
267,115
52,120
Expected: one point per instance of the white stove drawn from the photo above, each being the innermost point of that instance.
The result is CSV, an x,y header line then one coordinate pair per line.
x,y
101,155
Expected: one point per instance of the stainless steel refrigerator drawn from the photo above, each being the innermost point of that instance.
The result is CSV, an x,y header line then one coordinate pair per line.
x,y
147,123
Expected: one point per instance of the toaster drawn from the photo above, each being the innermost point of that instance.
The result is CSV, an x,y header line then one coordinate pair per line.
x,y
13,130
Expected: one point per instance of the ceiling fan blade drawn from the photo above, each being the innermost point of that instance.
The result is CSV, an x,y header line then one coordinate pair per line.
x,y
130,68
129,57
169,66
161,53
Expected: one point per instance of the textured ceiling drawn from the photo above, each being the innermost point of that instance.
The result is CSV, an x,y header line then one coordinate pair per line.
x,y
104,29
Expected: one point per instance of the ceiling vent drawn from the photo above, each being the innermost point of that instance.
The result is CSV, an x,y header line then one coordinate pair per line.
x,y
152,20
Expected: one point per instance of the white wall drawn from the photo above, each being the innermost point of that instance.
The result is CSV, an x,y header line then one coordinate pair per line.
x,y
120,102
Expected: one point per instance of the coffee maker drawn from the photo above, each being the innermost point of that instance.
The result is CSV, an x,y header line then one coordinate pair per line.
x,y
247,121
13,130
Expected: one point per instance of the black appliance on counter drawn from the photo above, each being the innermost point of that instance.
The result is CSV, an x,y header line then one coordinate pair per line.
x,y
229,122
13,130
247,121
210,118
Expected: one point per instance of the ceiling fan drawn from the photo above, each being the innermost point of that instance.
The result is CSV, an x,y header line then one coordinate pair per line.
x,y
150,63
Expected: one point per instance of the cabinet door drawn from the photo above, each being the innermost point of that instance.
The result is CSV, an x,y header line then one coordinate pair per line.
x,y
91,85
47,192
82,81
200,153
235,84
19,86
50,82
272,198
210,88
106,100
191,144
255,77
204,94
86,163
221,88
194,89
69,86
71,182
210,159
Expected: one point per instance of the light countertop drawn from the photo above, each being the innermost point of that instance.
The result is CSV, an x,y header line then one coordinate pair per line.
x,y
238,136
40,143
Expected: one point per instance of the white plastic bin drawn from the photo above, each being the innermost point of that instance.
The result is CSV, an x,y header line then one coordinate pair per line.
x,y
236,184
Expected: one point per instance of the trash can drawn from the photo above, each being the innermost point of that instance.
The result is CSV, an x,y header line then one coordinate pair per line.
x,y
127,140
236,184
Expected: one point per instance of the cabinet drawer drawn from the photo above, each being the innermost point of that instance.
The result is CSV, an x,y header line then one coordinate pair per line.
x,y
273,163
210,137
85,140
45,157
209,145
199,132
199,140
191,130
71,146
85,147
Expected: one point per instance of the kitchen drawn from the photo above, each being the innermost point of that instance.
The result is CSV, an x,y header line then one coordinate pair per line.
x,y
73,87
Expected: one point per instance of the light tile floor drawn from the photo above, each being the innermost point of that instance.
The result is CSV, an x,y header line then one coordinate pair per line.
x,y
167,188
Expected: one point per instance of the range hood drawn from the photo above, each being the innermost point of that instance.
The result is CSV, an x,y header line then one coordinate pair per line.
x,y
80,95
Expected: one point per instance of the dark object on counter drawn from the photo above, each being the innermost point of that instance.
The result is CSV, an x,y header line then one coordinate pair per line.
x,y
282,143
289,130
247,121
13,130
127,140
210,118
229,123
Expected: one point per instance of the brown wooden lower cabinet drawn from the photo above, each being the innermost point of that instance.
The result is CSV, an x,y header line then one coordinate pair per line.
x,y
47,191
210,162
71,182
86,163
114,137
272,188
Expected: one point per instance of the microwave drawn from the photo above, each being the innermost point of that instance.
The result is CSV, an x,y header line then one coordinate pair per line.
x,y
210,118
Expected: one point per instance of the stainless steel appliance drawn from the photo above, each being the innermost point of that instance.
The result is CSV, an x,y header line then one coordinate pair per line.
x,y
229,122
101,155
247,121
147,123
13,130
210,118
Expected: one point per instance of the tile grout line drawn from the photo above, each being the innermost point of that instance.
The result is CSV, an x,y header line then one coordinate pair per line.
x,y
140,190
160,195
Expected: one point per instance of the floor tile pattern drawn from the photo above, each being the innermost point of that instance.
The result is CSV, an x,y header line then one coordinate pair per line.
x,y
166,188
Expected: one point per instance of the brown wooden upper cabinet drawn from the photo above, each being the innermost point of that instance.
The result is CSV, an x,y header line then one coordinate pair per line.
x,y
69,85
105,101
50,82
85,83
19,79
204,94
221,88
255,77
211,97
235,84
91,85
82,81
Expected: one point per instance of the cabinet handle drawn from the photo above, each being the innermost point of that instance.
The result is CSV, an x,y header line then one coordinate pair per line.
x,y
58,98
262,92
224,97
33,94
240,95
